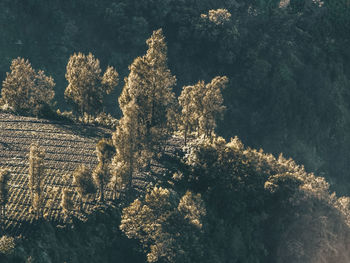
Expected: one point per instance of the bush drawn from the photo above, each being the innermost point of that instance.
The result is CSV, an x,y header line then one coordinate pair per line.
x,y
7,245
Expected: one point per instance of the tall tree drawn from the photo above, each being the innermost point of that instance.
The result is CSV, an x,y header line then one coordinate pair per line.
x,y
86,87
36,178
202,105
26,90
67,204
4,178
147,102
121,177
168,227
147,94
105,151
125,140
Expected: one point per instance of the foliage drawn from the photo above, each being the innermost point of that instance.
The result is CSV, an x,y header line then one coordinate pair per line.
x,y
287,66
83,181
36,174
218,17
86,87
125,142
121,177
106,120
168,228
147,95
147,102
4,190
201,107
26,90
67,202
7,245
105,151
249,206
289,72
246,191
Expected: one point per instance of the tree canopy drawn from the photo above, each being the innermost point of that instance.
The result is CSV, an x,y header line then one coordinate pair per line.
x,y
27,90
86,87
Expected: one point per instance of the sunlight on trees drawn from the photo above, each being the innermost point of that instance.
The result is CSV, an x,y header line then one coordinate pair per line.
x,y
67,203
202,105
36,178
7,245
218,16
102,175
168,228
86,87
4,191
147,94
82,179
26,90
147,102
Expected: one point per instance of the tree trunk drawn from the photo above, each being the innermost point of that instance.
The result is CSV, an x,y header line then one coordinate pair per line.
x,y
101,193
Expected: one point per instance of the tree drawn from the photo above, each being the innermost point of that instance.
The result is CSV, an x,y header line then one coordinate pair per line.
x,y
26,90
83,181
147,102
36,178
125,140
147,95
105,152
86,87
189,107
201,106
168,228
121,177
213,105
7,245
4,178
52,195
67,204
218,16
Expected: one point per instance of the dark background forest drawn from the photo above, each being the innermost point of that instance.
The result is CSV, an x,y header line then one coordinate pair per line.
x,y
288,63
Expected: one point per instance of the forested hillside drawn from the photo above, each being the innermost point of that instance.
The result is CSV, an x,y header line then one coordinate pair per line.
x,y
130,131
287,62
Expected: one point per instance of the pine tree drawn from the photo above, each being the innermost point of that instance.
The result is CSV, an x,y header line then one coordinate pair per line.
x,y
26,90
147,102
36,178
105,151
202,105
125,140
83,181
67,204
147,94
4,178
86,87
213,105
191,103
168,227
121,178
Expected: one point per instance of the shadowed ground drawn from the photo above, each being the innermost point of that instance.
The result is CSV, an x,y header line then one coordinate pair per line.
x,y
66,147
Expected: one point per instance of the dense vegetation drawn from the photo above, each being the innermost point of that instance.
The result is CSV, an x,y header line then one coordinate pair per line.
x,y
165,179
286,61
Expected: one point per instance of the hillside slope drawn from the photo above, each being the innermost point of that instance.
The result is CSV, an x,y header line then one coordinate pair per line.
x,y
258,207
66,146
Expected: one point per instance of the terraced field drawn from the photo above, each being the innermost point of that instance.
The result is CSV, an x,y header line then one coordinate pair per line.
x,y
66,147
